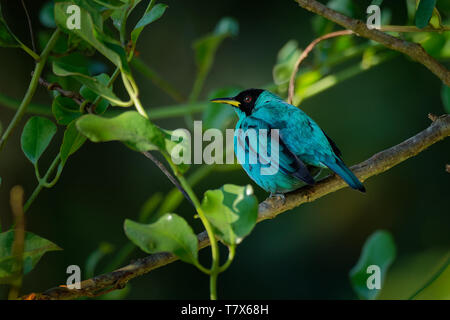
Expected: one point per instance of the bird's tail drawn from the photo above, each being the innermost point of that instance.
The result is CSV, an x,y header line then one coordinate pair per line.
x,y
339,167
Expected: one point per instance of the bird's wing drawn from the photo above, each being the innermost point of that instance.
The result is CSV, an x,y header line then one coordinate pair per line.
x,y
261,149
333,145
300,133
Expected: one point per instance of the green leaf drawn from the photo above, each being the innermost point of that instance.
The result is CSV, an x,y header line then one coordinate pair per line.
x,y
47,15
232,210
171,233
150,16
341,44
135,131
227,26
118,15
90,95
303,82
36,136
216,115
376,2
182,148
323,26
130,127
378,250
7,38
91,32
287,51
95,84
75,60
65,110
386,17
34,248
64,69
92,8
424,12
206,47
436,20
411,9
77,44
445,94
72,141
287,57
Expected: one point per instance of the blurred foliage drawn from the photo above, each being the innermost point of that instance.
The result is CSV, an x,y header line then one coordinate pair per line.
x,y
379,250
34,248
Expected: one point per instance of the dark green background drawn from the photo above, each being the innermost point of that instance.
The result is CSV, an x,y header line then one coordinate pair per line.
x,y
304,253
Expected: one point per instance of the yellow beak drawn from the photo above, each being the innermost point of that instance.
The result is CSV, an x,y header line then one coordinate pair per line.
x,y
227,101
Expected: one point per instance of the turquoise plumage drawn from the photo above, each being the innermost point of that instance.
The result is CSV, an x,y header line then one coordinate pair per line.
x,y
302,143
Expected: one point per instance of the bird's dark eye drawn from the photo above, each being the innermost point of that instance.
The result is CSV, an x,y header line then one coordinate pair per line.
x,y
248,99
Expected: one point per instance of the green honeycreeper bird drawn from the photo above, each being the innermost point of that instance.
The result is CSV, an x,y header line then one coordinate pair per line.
x,y
302,144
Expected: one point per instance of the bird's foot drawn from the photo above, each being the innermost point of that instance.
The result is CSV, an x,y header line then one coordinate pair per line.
x,y
277,195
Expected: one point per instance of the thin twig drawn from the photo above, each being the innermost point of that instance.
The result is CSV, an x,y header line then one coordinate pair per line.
x,y
75,96
413,50
270,208
305,53
30,26
168,174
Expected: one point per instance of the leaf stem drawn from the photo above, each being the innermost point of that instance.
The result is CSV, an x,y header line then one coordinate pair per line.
x,y
31,89
433,278
215,268
231,254
213,285
129,85
157,80
197,88
56,178
170,202
43,183
202,268
33,54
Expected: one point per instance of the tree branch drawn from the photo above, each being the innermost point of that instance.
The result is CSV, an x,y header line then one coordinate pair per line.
x,y
270,208
168,175
414,50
